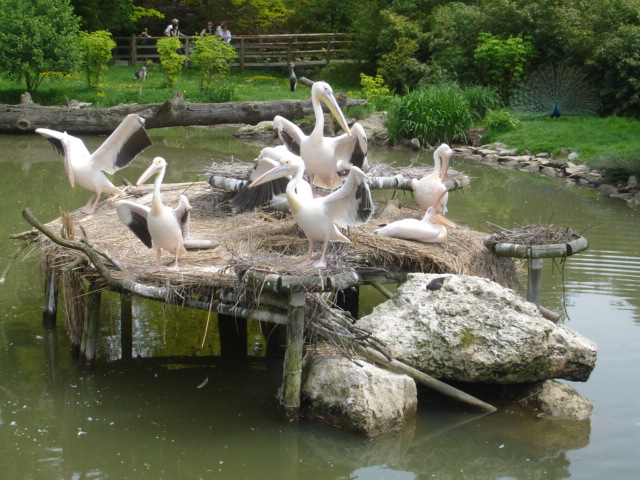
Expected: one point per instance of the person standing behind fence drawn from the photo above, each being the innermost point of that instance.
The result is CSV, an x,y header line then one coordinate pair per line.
x,y
208,30
173,30
224,32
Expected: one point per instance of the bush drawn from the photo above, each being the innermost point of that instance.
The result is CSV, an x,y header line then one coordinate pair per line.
x,y
212,57
500,120
617,168
376,92
433,114
96,52
170,60
482,99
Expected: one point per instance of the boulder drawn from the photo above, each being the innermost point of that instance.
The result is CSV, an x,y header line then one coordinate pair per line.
x,y
374,127
557,400
262,131
475,330
361,397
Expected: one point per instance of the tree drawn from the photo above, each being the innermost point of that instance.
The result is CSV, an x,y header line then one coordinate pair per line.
x,y
96,52
114,16
38,37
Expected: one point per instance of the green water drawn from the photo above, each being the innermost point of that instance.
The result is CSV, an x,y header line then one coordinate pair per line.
x,y
176,412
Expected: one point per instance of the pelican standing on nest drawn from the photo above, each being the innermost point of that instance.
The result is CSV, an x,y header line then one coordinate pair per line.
x,y
431,229
324,156
123,145
430,190
319,217
160,226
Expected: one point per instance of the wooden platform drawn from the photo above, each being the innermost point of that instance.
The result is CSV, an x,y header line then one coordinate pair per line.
x,y
251,273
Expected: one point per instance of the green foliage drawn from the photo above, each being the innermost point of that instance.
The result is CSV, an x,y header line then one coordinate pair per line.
x,y
376,92
37,37
114,16
618,169
212,57
96,50
500,120
432,113
170,60
502,61
481,99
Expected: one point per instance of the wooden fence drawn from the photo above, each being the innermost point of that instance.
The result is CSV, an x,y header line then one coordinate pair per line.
x,y
254,51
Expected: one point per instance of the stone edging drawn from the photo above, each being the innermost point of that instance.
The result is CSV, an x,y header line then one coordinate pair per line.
x,y
498,154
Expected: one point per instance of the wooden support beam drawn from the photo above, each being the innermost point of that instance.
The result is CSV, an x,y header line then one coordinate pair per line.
x,y
50,309
292,375
534,280
92,321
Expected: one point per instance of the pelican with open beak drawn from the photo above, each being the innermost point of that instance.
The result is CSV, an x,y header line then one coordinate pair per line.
x,y
431,187
320,217
324,156
118,150
158,226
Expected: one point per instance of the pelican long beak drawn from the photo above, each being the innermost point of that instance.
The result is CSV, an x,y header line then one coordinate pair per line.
x,y
439,219
330,101
153,168
276,172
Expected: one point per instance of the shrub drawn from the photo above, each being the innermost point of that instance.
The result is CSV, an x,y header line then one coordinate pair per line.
x,y
376,92
212,57
433,114
616,168
482,99
170,60
96,52
500,120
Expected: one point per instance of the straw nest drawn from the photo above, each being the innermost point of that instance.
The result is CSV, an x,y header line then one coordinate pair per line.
x,y
269,241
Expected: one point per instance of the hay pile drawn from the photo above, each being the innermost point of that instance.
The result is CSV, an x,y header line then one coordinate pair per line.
x,y
269,241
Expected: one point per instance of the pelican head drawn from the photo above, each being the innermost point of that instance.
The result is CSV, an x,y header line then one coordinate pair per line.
x,y
289,166
323,92
444,153
433,217
159,164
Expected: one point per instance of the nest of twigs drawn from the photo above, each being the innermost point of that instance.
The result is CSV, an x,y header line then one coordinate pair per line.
x,y
536,234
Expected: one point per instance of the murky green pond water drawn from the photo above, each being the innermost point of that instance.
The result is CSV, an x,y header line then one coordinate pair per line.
x,y
148,418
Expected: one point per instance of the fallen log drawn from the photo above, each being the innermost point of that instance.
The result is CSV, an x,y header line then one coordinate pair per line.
x,y
28,116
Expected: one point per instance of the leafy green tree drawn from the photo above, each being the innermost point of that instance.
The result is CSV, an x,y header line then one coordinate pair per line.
x,y
502,60
96,50
170,60
112,15
37,37
212,57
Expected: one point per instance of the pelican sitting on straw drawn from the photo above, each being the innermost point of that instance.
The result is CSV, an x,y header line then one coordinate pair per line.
x,y
160,226
324,156
319,217
431,187
431,229
116,152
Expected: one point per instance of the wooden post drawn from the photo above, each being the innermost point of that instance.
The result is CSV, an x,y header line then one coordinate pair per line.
x,y
126,326
292,376
134,51
50,295
92,319
241,55
534,280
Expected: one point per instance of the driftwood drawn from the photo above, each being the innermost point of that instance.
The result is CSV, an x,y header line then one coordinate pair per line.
x,y
28,116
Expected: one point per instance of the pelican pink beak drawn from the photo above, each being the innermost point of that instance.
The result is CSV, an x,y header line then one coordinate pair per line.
x,y
158,164
326,96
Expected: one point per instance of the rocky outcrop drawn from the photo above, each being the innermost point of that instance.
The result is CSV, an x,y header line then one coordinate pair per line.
x,y
361,397
498,154
557,400
474,330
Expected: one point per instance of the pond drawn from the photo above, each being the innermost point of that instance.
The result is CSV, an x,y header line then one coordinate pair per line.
x,y
180,411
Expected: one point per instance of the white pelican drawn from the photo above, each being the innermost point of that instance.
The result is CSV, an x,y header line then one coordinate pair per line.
x,y
324,156
248,199
160,226
116,152
350,206
429,188
431,229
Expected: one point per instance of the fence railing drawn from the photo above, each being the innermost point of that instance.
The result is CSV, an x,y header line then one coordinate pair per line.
x,y
254,51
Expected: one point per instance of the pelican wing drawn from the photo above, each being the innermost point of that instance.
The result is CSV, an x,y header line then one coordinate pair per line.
x,y
183,214
71,147
123,145
134,216
250,198
352,151
289,133
351,205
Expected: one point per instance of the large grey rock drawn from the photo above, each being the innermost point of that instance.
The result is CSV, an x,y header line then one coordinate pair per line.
x,y
364,399
475,330
558,400
376,130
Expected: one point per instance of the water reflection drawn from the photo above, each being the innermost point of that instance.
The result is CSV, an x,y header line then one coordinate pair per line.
x,y
148,418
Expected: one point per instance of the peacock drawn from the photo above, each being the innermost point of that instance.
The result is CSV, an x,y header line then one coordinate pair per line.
x,y
555,90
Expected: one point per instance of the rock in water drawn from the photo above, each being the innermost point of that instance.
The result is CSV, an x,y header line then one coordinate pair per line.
x,y
363,399
475,330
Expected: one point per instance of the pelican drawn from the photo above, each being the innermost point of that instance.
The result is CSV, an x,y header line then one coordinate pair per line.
x,y
319,217
123,145
323,156
431,187
431,229
160,226
248,199
293,80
